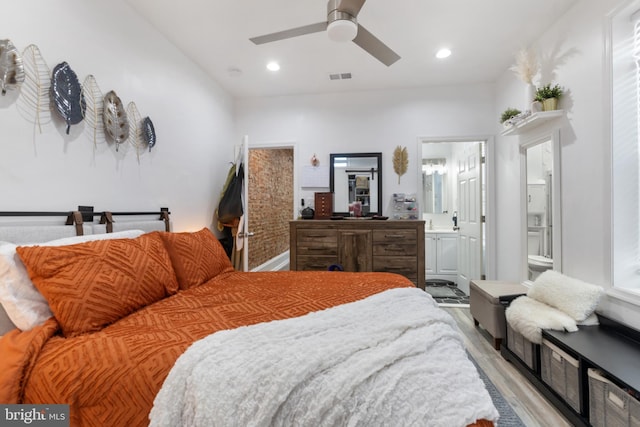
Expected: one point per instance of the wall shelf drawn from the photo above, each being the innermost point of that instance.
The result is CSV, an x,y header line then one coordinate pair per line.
x,y
534,120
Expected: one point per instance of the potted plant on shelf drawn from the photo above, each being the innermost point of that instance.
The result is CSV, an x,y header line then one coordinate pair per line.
x,y
548,96
507,115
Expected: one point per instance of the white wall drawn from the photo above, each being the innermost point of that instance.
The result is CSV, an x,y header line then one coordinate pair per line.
x,y
374,121
192,116
576,44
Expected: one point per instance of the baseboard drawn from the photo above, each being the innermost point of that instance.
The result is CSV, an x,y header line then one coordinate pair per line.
x,y
278,263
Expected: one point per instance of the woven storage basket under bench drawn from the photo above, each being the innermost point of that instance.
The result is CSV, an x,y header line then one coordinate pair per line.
x,y
611,404
591,376
614,350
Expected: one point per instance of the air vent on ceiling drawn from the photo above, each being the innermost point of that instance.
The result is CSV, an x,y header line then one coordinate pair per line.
x,y
339,76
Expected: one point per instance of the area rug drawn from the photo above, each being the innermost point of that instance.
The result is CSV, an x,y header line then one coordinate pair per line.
x,y
447,295
508,417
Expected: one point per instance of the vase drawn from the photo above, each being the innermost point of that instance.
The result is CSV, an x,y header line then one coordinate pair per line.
x,y
529,95
550,104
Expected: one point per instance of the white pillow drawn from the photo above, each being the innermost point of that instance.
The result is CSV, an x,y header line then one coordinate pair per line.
x,y
576,298
24,305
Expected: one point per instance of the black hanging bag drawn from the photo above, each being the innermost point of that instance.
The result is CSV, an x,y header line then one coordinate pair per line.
x,y
230,206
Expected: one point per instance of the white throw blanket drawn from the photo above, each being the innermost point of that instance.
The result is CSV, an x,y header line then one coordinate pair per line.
x,y
392,359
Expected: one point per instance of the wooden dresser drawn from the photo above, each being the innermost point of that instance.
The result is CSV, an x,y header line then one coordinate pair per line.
x,y
359,245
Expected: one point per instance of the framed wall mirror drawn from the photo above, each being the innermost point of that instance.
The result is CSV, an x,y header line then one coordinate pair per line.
x,y
356,177
540,161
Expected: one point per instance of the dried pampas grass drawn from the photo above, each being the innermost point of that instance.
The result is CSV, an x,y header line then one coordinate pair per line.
x,y
526,66
400,161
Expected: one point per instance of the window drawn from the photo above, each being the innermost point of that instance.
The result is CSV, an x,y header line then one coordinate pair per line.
x,y
625,122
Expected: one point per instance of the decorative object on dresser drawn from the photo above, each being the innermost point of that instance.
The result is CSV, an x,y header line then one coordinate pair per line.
x,y
359,245
323,205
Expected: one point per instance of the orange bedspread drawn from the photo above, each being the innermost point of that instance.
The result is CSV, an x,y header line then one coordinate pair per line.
x,y
111,377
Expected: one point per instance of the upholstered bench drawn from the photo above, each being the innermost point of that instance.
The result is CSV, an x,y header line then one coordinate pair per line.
x,y
486,301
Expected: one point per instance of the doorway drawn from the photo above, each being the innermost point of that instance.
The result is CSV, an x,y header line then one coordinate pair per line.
x,y
453,199
270,199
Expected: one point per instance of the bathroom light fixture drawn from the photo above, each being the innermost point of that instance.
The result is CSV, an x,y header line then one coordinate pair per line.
x,y
273,66
342,30
443,53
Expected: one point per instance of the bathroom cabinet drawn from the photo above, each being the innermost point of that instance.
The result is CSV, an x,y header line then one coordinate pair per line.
x,y
536,199
441,259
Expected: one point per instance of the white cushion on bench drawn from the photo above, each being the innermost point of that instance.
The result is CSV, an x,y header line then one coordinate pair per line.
x,y
574,297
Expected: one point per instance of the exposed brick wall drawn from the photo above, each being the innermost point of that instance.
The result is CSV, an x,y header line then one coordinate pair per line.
x,y
270,203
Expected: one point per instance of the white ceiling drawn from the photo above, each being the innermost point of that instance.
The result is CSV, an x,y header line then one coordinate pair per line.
x,y
484,35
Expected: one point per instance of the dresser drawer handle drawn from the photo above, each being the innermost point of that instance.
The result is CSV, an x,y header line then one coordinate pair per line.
x,y
317,236
394,236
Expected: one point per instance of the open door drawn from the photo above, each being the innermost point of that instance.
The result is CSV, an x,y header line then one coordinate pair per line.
x,y
470,215
242,238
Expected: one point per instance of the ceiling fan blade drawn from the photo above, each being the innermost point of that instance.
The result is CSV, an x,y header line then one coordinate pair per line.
x,y
352,7
293,32
375,47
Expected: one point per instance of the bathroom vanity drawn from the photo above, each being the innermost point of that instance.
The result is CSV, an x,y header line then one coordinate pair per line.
x,y
441,254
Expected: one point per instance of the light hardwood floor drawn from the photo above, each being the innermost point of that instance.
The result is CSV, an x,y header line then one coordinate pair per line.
x,y
532,408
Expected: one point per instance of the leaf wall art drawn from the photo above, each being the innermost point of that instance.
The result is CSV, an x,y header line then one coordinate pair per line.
x,y
148,133
43,93
11,68
135,127
94,108
35,99
116,122
66,94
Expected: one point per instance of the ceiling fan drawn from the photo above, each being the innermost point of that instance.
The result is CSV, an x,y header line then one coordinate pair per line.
x,y
341,25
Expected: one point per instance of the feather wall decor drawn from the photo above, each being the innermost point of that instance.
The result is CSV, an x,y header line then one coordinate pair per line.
x,y
116,122
11,67
34,99
400,161
148,132
135,128
94,108
66,94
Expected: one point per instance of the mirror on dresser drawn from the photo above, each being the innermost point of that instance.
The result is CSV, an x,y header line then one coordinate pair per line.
x,y
540,159
356,177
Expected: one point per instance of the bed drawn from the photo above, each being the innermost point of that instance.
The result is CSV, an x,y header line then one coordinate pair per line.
x,y
151,327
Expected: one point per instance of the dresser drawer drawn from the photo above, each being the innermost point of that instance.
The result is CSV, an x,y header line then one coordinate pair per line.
x,y
317,242
317,263
406,266
395,243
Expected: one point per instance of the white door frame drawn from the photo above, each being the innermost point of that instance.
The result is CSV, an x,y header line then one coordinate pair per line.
x,y
490,197
296,195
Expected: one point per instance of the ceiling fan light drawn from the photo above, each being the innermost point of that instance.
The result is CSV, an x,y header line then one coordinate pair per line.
x,y
342,30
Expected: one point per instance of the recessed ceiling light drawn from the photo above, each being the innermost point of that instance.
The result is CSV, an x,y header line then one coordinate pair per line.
x,y
234,72
273,66
443,53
